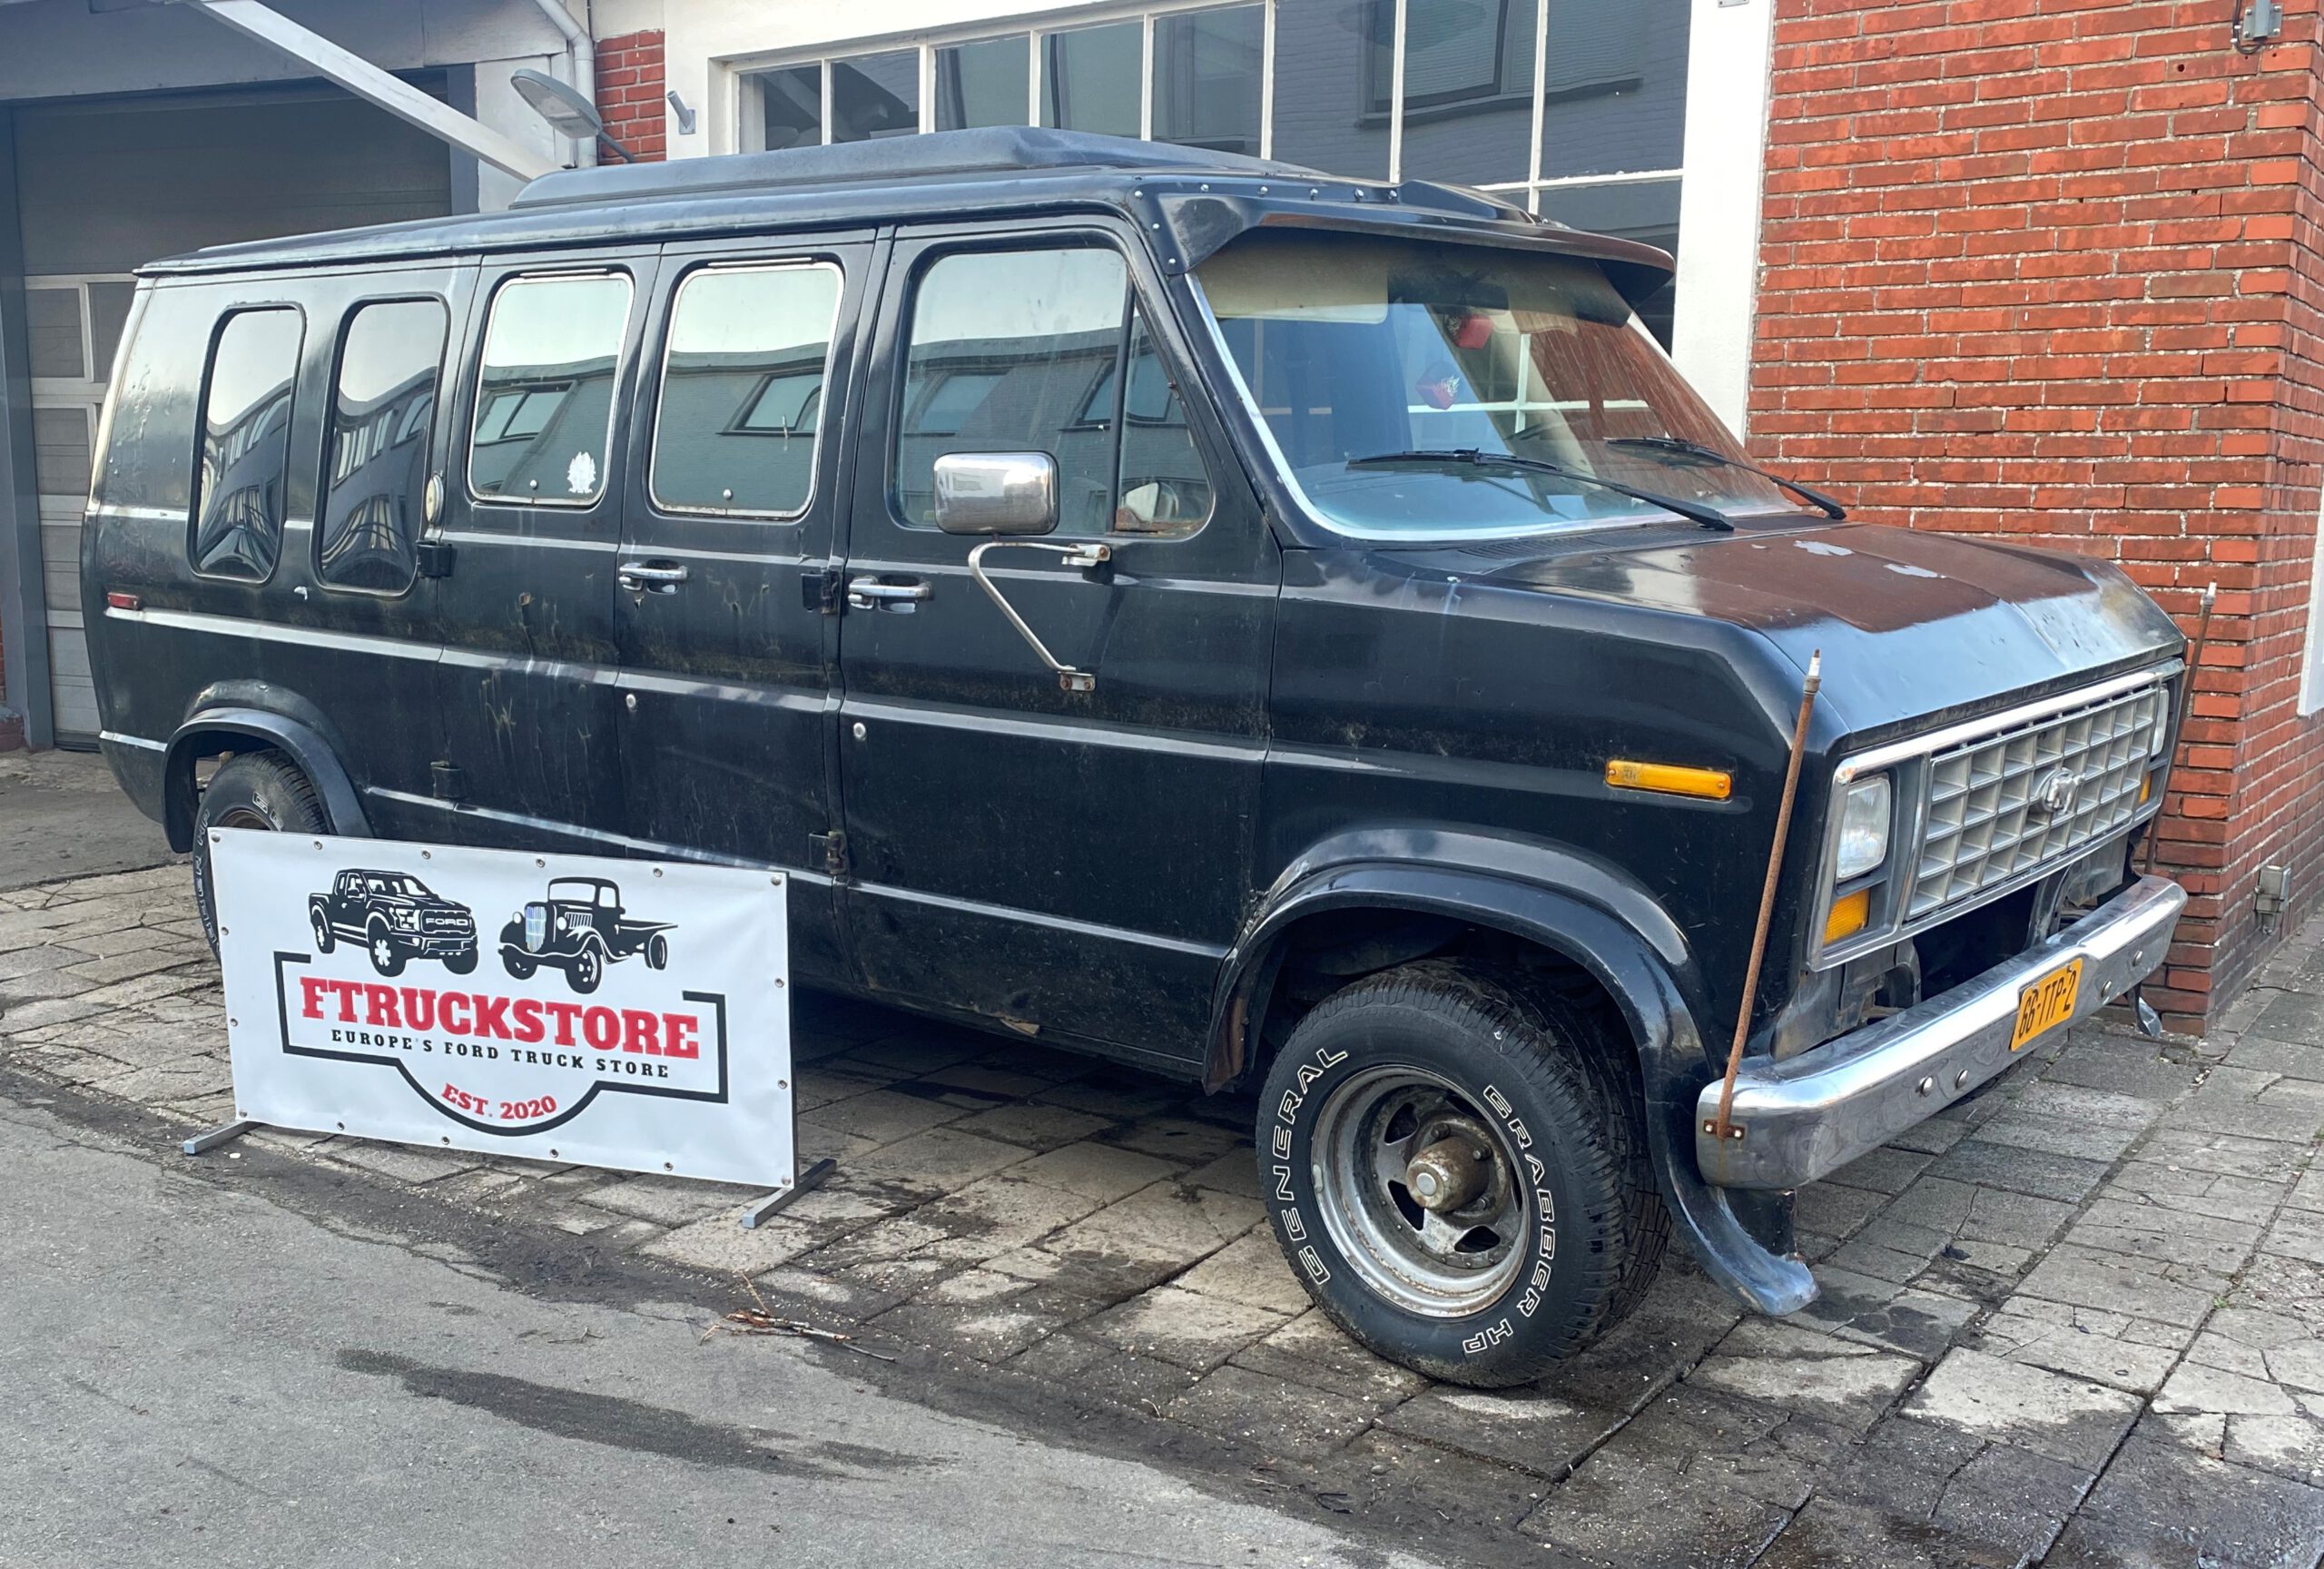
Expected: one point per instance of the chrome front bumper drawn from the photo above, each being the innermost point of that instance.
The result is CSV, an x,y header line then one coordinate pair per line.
x,y
1794,1120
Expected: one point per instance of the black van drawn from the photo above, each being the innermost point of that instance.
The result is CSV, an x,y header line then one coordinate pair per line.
x,y
1264,628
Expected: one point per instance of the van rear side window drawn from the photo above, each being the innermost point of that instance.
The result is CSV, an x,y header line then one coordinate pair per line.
x,y
743,390
544,399
376,459
245,443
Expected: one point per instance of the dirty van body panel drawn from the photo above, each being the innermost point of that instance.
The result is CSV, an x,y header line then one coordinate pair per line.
x,y
728,674
1915,627
1065,864
526,681
295,643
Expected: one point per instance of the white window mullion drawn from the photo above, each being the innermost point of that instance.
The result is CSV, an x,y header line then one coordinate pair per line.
x,y
1032,78
1541,102
1146,77
1266,82
927,88
1396,99
824,109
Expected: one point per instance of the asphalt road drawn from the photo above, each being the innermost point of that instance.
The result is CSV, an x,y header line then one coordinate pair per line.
x,y
188,1373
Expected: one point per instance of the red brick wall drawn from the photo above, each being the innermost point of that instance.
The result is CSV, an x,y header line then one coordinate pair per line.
x,y
2053,271
630,85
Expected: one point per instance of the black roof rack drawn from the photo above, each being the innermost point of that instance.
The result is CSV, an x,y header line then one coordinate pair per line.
x,y
993,149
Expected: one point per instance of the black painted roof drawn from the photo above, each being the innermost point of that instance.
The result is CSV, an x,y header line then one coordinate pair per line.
x,y
1190,202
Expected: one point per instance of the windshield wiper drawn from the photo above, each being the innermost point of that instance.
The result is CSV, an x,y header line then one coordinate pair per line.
x,y
1709,517
1680,448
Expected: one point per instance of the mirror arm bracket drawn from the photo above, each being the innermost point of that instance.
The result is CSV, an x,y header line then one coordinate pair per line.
x,y
1087,554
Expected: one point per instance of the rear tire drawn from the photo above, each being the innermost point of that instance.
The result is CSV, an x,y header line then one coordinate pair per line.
x,y
585,970
257,790
1545,1227
385,957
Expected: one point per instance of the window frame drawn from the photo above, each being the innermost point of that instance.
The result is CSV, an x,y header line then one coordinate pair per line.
x,y
661,386
1136,302
201,439
323,458
477,391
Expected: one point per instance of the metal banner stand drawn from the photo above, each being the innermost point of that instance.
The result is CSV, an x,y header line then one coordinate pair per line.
x,y
813,1177
215,1137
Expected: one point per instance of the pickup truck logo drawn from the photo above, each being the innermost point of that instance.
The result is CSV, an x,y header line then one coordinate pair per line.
x,y
395,918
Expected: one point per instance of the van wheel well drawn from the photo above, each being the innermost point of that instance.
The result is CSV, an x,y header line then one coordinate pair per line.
x,y
1326,951
202,756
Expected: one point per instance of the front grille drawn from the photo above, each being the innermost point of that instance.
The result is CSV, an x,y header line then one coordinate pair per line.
x,y
2002,805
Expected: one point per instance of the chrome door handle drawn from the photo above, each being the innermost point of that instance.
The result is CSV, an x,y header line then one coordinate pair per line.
x,y
871,594
639,578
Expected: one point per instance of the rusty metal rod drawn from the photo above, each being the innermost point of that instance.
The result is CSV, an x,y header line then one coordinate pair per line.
x,y
1768,891
2186,707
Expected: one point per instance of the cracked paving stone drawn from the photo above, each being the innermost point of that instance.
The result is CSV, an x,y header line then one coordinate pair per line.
x,y
882,1115
936,1161
2159,1504
1836,1381
2067,1419
990,1332
1750,1447
1313,1350
1534,1432
1098,1172
1194,1331
723,1246
1280,1418
1179,1139
2151,1231
1888,1170
1154,1233
1250,1271
1034,1127
1920,1324
1096,1367
2078,1351
1629,1513
1835,1208
2114,1282
2038,1173
1236,1172
667,1200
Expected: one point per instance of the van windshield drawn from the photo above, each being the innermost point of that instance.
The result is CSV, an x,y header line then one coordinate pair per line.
x,y
1354,350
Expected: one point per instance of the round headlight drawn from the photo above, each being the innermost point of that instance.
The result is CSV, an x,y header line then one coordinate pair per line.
x,y
1863,828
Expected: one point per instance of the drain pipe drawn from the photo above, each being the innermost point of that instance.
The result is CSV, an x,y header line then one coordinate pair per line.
x,y
581,60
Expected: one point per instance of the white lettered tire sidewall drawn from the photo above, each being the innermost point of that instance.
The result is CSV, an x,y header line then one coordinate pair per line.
x,y
1565,1289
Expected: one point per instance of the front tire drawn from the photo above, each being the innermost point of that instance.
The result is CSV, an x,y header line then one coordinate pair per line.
x,y
460,963
585,970
257,790
518,966
325,938
385,957
1457,1172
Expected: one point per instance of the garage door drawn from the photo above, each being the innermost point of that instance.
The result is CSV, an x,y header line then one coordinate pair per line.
x,y
103,186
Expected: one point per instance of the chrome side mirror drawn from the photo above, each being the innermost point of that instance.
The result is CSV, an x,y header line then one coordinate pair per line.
x,y
996,493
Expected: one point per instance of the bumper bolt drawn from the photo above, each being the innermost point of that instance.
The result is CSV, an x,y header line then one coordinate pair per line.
x,y
1926,1085
1961,1080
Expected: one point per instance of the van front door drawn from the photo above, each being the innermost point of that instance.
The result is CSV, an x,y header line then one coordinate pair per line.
x,y
726,628
1070,863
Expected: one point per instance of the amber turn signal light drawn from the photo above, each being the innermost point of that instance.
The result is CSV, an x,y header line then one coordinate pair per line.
x,y
1848,916
1669,779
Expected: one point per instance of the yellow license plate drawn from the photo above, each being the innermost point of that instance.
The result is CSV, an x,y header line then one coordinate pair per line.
x,y
2047,1002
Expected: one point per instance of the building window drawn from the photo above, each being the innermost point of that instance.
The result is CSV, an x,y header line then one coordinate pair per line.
x,y
1557,105
245,444
376,466
741,388
544,396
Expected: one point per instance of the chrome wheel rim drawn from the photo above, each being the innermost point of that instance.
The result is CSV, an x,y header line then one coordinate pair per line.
x,y
240,817
1445,1261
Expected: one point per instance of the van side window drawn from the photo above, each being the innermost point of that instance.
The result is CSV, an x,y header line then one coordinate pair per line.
x,y
376,456
543,397
1023,350
743,390
245,443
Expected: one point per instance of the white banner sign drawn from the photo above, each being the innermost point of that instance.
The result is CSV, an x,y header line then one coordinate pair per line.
x,y
621,1013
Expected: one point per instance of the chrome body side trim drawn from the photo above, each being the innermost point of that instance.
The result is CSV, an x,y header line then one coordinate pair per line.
x,y
1797,1119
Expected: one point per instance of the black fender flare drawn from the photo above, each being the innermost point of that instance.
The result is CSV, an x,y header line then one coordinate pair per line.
x,y
1636,970
210,731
